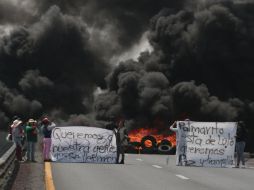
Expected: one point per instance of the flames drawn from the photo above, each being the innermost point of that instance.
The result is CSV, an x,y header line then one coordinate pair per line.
x,y
136,135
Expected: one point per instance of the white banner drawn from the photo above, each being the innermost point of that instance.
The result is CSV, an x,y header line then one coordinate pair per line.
x,y
83,144
205,144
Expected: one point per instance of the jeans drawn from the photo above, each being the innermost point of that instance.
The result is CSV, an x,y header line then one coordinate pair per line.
x,y
18,152
30,150
239,152
120,153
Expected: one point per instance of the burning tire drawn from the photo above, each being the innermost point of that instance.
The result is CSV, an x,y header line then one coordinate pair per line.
x,y
148,144
165,146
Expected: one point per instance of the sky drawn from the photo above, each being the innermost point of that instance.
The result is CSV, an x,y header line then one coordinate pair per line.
x,y
83,62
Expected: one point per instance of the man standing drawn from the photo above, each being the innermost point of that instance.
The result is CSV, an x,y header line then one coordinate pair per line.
x,y
181,158
241,136
123,138
31,136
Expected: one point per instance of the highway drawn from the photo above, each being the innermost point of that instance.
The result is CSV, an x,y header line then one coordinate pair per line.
x,y
148,172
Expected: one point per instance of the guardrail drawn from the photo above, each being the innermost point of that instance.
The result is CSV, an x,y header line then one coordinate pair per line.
x,y
7,167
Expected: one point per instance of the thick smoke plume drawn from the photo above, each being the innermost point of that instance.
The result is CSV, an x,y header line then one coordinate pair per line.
x,y
201,67
54,56
49,65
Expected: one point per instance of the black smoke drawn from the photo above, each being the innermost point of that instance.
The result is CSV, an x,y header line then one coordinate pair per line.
x,y
201,67
212,46
55,54
49,65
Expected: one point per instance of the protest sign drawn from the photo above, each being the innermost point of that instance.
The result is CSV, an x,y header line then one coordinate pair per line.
x,y
205,144
83,144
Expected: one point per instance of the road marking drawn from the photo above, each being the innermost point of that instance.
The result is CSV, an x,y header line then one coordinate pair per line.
x,y
156,166
181,176
48,177
138,159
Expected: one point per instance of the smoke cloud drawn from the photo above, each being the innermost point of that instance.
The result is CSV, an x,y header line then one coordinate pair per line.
x,y
200,68
55,54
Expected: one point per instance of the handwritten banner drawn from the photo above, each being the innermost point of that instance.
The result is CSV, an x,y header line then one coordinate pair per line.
x,y
83,144
205,144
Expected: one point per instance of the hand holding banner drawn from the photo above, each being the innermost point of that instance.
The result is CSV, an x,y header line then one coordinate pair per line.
x,y
83,144
208,144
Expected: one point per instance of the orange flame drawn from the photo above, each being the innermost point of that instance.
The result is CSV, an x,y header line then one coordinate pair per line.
x,y
137,135
148,143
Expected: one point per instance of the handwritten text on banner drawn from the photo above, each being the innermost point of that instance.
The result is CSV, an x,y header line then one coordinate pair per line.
x,y
83,144
207,144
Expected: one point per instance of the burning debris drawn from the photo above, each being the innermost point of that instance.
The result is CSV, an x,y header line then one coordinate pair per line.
x,y
149,140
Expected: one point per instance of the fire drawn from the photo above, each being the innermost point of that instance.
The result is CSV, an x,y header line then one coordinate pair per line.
x,y
148,143
137,135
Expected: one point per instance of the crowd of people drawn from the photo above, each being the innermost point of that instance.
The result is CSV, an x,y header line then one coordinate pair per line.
x,y
25,137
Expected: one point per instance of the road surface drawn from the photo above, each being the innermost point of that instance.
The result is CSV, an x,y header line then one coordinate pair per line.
x,y
148,172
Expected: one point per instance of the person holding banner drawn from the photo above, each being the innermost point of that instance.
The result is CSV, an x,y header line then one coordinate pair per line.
x,y
181,160
123,138
120,132
174,127
46,128
112,125
241,136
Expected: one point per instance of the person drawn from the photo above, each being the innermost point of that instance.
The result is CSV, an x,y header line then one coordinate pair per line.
x,y
112,125
241,137
181,159
121,134
123,139
175,128
47,127
31,137
9,136
17,135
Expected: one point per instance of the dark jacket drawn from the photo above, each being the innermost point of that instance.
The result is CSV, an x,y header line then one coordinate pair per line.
x,y
31,133
46,132
241,133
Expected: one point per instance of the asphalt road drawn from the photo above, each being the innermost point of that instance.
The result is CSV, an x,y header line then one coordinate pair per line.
x,y
148,172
